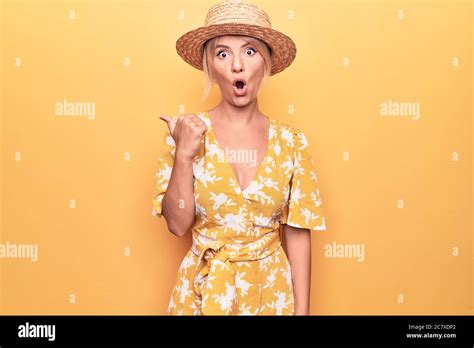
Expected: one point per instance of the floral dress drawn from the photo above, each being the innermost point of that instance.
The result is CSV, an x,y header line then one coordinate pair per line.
x,y
236,264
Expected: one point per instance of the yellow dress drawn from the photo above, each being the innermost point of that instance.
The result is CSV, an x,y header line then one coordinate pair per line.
x,y
236,264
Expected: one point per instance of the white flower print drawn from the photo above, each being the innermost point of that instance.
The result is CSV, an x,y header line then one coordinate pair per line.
x,y
196,305
220,199
214,150
303,141
315,198
296,195
286,272
269,183
272,132
235,222
277,149
241,283
271,279
226,300
308,215
261,220
287,135
265,263
187,262
299,169
198,208
207,175
288,166
244,310
163,176
202,116
243,264
234,184
281,302
255,190
198,168
183,289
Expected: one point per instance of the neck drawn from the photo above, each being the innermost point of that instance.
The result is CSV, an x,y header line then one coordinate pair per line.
x,y
236,115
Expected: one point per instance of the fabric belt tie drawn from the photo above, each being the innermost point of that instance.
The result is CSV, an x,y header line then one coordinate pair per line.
x,y
214,282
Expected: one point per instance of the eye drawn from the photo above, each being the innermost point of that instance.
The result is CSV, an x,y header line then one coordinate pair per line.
x,y
219,54
251,50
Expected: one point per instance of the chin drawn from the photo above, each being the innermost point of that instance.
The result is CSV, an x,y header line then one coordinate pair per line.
x,y
242,101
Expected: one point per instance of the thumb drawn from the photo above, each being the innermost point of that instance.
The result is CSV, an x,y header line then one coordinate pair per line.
x,y
170,122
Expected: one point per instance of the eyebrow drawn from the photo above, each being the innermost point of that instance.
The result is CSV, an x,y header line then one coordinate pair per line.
x,y
245,44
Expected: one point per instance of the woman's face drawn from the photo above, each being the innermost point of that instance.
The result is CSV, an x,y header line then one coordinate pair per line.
x,y
234,59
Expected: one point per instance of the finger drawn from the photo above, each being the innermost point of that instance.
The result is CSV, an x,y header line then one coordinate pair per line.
x,y
197,123
199,126
182,120
195,118
170,122
201,129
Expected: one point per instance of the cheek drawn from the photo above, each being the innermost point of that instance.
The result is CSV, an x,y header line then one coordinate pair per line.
x,y
256,79
219,74
257,71
219,66
257,63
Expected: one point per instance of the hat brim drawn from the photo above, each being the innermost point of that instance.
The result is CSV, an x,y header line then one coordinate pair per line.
x,y
190,46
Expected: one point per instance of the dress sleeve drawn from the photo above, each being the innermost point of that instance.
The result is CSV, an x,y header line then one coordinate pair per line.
x,y
162,176
303,208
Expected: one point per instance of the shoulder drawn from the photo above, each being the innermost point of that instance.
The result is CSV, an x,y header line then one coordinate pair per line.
x,y
290,137
203,117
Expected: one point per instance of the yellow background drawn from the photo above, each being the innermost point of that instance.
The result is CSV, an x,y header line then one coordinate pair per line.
x,y
367,164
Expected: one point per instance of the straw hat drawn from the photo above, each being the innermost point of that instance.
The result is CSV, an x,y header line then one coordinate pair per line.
x,y
237,17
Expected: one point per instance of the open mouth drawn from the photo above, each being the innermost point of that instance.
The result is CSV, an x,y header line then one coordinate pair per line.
x,y
240,87
240,84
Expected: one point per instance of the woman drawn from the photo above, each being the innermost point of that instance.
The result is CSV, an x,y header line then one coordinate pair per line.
x,y
235,178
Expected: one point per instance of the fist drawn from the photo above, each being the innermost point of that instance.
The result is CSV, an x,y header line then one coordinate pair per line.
x,y
187,132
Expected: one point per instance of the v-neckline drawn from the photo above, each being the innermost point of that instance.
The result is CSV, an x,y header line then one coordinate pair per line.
x,y
265,157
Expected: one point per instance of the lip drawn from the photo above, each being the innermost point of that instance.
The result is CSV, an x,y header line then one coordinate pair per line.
x,y
240,92
239,79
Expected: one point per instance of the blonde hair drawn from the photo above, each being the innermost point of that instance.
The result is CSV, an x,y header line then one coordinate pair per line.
x,y
209,47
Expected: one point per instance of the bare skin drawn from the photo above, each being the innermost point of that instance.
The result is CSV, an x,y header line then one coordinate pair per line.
x,y
246,137
238,124
298,245
178,202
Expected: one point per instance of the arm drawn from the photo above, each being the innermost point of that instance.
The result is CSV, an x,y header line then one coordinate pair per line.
x,y
178,202
298,244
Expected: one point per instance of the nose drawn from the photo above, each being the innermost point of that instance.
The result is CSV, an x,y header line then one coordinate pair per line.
x,y
237,65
